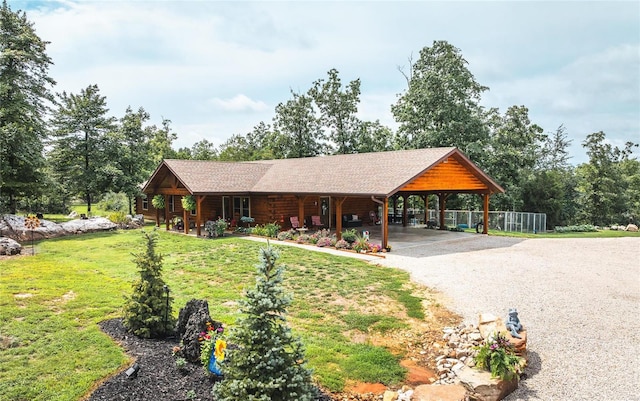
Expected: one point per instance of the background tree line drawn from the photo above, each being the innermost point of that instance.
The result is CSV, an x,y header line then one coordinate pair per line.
x,y
58,147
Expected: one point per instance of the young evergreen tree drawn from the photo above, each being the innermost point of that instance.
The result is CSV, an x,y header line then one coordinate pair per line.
x,y
269,363
147,313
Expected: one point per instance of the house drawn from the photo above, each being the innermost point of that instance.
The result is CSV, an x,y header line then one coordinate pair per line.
x,y
339,188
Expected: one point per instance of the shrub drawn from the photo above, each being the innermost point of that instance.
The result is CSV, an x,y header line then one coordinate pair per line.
x,y
118,217
349,236
286,235
584,228
272,229
302,239
360,244
147,312
269,362
323,242
497,355
342,244
313,238
114,202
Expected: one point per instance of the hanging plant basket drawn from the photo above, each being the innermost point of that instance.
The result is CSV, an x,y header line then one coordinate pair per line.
x,y
188,203
158,201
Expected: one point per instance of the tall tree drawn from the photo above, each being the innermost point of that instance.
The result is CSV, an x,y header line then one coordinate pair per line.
x,y
130,147
298,130
161,142
601,183
551,188
338,107
79,155
24,90
259,144
374,137
204,150
440,106
514,149
555,152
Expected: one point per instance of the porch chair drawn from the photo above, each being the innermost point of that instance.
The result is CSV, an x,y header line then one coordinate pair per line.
x,y
295,223
373,218
316,222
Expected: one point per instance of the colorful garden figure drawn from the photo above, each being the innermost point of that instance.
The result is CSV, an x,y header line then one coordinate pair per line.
x,y
217,356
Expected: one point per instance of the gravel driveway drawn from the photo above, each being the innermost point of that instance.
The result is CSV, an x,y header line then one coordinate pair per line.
x,y
578,298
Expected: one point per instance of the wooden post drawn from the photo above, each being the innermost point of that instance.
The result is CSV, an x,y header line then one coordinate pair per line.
x,y
199,200
339,202
385,223
157,217
485,225
404,210
301,200
185,220
166,212
442,199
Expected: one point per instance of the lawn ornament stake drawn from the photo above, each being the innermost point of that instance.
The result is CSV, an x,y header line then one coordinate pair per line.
x,y
32,223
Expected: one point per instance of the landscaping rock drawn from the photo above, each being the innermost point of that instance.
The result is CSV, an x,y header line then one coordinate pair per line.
x,y
12,226
451,392
482,387
91,225
632,228
192,320
9,246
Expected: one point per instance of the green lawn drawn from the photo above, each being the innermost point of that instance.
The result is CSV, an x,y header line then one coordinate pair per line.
x,y
52,349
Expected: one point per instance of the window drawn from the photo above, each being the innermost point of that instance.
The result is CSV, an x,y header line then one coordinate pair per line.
x,y
172,205
145,203
241,206
193,212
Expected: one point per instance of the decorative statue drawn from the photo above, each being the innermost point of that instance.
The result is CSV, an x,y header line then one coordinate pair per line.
x,y
513,323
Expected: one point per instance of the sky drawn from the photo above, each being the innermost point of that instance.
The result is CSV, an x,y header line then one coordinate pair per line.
x,y
218,68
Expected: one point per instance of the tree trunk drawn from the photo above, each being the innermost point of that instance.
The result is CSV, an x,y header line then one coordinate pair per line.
x,y
88,204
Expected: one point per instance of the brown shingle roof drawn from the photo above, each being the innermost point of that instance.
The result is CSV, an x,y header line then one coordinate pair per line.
x,y
201,177
380,174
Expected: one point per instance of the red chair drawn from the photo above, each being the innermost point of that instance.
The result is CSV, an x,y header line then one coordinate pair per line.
x,y
316,222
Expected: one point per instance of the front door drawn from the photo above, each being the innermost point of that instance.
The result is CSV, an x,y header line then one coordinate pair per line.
x,y
325,211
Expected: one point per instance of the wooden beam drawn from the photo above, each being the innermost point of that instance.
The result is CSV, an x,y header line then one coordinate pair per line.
x,y
404,210
186,220
442,199
199,200
485,205
385,223
301,200
339,202
166,212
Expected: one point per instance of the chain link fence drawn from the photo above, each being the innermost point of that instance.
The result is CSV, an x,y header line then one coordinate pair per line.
x,y
524,222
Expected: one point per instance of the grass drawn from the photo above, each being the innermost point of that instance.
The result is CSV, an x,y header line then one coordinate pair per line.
x,y
50,304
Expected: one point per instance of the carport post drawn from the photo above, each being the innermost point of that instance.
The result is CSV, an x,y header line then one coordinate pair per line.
x,y
485,226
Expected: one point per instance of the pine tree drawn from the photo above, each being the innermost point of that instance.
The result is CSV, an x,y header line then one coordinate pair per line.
x,y
24,93
147,313
269,361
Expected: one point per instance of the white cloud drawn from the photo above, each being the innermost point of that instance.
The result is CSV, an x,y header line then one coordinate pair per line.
x,y
239,103
219,68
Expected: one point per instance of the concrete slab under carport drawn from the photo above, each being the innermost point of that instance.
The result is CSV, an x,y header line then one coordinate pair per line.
x,y
418,241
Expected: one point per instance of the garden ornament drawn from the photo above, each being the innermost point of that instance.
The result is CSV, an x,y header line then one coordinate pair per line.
x,y
513,323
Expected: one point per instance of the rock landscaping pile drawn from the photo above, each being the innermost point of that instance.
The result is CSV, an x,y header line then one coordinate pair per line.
x,y
13,227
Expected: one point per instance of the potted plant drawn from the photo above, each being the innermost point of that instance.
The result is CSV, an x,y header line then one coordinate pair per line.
x,y
188,203
158,201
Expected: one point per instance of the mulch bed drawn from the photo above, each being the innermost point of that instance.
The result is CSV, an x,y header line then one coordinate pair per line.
x,y
158,377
